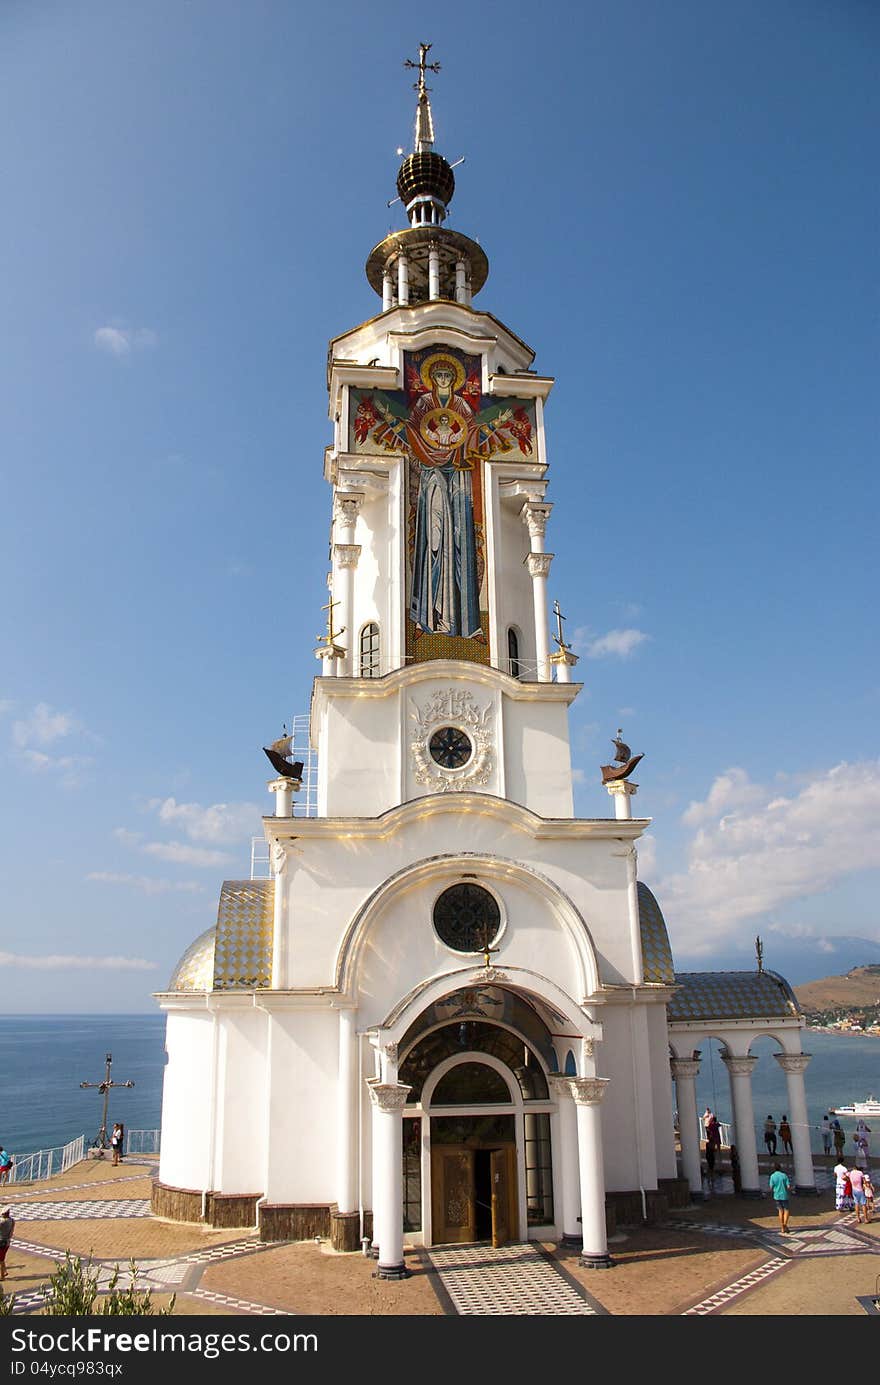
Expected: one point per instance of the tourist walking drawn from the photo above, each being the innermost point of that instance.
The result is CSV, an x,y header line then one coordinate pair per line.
x,y
861,1145
5,1165
780,1187
712,1128
770,1135
839,1137
7,1226
117,1140
826,1134
857,1184
862,1133
785,1134
842,1188
868,1186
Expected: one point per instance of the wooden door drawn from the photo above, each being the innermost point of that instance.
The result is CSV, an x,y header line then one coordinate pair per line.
x,y
452,1189
504,1209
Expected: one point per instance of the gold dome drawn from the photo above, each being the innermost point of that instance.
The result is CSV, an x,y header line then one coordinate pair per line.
x,y
236,954
195,970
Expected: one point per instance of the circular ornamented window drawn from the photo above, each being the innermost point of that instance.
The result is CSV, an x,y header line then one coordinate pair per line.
x,y
450,747
467,918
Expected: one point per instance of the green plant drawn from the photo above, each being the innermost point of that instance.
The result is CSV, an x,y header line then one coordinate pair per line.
x,y
73,1289
131,1302
7,1304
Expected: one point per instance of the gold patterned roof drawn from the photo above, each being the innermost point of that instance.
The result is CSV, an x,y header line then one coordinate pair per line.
x,y
732,995
657,962
236,954
195,970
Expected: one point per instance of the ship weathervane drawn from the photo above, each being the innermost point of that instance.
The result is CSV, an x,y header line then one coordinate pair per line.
x,y
625,761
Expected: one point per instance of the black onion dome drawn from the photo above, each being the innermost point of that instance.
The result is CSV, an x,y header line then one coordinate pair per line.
x,y
425,175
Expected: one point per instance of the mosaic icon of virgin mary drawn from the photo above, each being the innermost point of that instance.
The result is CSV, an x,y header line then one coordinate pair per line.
x,y
445,432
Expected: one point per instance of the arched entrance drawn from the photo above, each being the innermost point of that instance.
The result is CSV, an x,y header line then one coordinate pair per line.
x,y
477,1147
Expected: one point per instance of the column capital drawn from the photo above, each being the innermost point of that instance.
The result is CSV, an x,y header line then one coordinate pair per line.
x,y
587,1091
330,651
346,554
685,1067
793,1062
538,564
738,1066
564,656
534,515
346,507
388,1096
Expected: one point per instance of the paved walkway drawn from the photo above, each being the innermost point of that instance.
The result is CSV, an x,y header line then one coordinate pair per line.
x,y
721,1256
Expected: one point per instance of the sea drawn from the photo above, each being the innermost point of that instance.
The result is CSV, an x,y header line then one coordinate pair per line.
x,y
44,1058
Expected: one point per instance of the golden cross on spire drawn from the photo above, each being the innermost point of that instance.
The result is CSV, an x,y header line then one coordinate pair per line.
x,y
423,67
558,637
332,635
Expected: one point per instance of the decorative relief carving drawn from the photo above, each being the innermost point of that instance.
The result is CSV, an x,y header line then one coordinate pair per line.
x,y
388,1096
346,507
588,1091
793,1062
279,857
454,707
684,1067
390,1051
587,1048
738,1067
535,517
538,564
346,554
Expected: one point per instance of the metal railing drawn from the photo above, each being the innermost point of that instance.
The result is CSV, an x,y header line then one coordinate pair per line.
x,y
142,1141
44,1163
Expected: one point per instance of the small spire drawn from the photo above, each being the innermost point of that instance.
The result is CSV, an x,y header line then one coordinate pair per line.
x,y
759,954
424,134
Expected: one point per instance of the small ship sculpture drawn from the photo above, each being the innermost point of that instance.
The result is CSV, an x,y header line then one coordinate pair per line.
x,y
278,752
625,761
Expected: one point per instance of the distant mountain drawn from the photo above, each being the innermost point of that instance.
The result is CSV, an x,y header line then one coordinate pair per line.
x,y
797,959
860,988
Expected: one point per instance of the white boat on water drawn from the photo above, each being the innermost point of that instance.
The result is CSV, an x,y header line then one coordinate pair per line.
x,y
869,1107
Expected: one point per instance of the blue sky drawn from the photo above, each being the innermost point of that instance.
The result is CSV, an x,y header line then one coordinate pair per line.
x,y
679,205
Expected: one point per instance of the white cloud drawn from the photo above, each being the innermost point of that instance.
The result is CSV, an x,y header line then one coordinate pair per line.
x,y
182,854
145,883
57,962
122,834
120,341
221,823
615,643
754,850
646,846
43,726
578,776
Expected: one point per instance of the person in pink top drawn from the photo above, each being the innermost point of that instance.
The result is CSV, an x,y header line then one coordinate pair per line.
x,y
857,1182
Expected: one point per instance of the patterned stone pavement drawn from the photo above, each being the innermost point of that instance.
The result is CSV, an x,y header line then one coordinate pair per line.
x,y
512,1279
520,1279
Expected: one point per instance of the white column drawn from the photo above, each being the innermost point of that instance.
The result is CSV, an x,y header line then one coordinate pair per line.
x,y
794,1066
740,1071
433,271
402,280
387,289
565,1160
346,1115
588,1093
563,661
279,933
539,570
283,788
534,515
621,790
685,1071
346,508
389,1099
461,293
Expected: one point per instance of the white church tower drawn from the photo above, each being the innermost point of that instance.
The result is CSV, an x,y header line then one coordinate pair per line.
x,y
445,1016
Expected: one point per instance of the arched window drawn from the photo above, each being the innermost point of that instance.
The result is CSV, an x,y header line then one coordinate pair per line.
x,y
370,650
513,663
